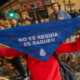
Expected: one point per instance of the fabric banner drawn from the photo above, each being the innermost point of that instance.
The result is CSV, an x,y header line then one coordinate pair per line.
x,y
39,40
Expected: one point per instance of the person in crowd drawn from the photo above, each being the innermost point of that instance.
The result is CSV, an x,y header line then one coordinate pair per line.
x,y
48,70
23,21
76,13
2,23
15,61
58,14
72,13
14,23
28,21
7,24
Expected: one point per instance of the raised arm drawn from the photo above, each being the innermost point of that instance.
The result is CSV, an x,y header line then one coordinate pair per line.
x,y
69,47
9,52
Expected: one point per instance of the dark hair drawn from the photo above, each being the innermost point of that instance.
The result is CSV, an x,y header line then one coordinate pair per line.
x,y
53,4
28,20
13,19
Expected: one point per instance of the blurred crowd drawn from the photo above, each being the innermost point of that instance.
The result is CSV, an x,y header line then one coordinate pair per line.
x,y
4,24
74,13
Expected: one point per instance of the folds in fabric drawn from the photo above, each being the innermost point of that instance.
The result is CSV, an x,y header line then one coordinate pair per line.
x,y
39,40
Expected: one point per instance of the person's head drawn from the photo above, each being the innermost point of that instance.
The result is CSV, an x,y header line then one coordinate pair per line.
x,y
55,7
71,10
13,21
28,21
41,20
1,21
1,27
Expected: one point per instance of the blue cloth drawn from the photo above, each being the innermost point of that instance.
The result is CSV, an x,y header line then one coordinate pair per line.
x,y
62,14
39,40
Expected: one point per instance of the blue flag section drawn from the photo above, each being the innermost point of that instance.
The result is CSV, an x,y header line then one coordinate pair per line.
x,y
39,40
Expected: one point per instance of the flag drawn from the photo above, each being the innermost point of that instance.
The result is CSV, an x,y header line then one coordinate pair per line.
x,y
39,40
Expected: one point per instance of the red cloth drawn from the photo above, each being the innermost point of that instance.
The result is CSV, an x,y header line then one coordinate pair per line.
x,y
40,70
56,16
44,71
9,52
50,70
